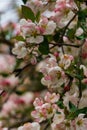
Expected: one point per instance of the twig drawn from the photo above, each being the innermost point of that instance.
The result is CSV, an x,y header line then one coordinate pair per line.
x,y
18,123
19,71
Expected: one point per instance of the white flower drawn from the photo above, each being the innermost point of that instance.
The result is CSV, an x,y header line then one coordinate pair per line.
x,y
7,63
58,118
20,49
65,61
79,32
48,13
27,97
50,28
37,39
30,30
27,27
51,98
23,22
81,122
84,70
60,126
30,126
72,98
83,100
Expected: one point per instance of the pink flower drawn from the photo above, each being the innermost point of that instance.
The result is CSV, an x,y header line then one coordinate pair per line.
x,y
12,80
20,50
38,102
8,107
47,27
81,122
27,97
43,112
59,118
7,63
39,114
84,70
51,98
65,61
30,126
30,31
60,126
70,97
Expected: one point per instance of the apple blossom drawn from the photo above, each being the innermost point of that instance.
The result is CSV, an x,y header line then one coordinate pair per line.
x,y
48,27
65,61
52,35
20,50
30,126
43,112
81,122
7,63
51,98
79,32
58,118
70,98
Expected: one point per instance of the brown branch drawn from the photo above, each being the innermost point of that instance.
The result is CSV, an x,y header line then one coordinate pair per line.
x,y
19,71
5,41
18,123
64,44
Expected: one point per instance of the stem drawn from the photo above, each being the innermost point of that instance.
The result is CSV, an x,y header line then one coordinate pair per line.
x,y
19,71
64,44
65,28
80,89
68,24
47,125
79,63
19,123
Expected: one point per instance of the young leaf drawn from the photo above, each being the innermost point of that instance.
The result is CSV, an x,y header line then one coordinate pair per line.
x,y
38,16
60,104
24,1
44,47
73,114
28,13
71,33
19,38
72,107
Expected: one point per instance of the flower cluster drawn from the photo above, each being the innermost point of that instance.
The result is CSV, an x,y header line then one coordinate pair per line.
x,y
15,103
30,126
53,35
33,33
45,110
48,109
44,22
54,75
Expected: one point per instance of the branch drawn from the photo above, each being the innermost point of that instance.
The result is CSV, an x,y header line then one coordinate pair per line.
x,y
19,123
19,71
6,41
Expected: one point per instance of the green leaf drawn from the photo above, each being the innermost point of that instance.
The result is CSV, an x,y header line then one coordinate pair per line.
x,y
72,115
57,36
80,0
38,16
72,107
71,33
49,38
82,16
28,13
81,37
60,104
58,112
24,1
19,38
44,47
82,110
